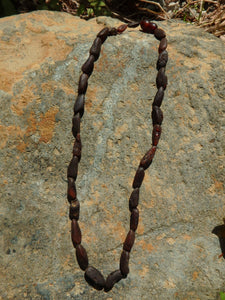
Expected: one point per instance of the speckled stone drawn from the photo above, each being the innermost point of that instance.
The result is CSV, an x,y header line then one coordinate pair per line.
x,y
175,255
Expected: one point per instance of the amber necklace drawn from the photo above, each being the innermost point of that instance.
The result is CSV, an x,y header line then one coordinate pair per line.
x,y
92,275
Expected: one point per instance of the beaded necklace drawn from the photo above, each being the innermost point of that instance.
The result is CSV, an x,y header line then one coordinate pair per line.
x,y
92,275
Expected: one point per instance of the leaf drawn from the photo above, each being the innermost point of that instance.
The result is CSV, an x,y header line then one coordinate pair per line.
x,y
222,296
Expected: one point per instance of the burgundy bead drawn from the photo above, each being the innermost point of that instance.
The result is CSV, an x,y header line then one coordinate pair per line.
x,y
162,45
113,278
134,199
161,79
103,34
138,178
147,158
74,210
156,132
79,105
88,66
122,28
83,83
73,168
159,34
96,48
157,115
162,60
148,26
129,241
75,233
77,147
71,190
82,257
124,263
94,277
76,124
134,217
158,97
113,31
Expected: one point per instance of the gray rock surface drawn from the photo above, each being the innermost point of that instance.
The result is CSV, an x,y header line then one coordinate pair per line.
x,y
175,256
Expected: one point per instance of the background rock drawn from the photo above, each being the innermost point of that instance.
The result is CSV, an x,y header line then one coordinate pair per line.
x,y
175,256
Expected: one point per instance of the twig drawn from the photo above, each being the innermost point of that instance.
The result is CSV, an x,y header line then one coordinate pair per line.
x,y
156,4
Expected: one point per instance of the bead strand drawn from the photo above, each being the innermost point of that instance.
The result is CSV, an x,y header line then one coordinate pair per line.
x,y
92,275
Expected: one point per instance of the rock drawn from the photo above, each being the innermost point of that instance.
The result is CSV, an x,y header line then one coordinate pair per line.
x,y
175,255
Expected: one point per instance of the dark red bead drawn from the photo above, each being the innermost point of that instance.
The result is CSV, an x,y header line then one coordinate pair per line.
x,y
113,278
162,45
96,48
134,199
71,190
124,263
138,178
159,34
134,217
73,168
157,115
103,34
88,66
129,241
76,124
79,105
83,83
122,28
156,132
82,257
74,210
147,158
148,26
77,147
158,97
95,278
75,233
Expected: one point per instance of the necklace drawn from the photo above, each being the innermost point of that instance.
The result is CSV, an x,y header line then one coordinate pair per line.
x,y
92,275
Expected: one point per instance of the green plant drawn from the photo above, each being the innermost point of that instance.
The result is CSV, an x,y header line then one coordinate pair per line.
x,y
222,296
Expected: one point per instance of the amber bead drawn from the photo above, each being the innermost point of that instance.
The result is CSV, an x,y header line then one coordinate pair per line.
x,y
148,26
88,66
124,263
74,210
82,257
156,132
96,48
75,233
113,278
79,105
147,158
134,199
134,217
103,34
95,278
129,241
138,178
73,168
158,97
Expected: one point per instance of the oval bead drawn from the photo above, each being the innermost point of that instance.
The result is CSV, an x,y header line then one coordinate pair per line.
x,y
162,60
83,83
74,210
134,218
134,199
148,26
71,189
96,48
103,34
79,105
156,132
88,66
76,125
138,178
77,146
94,277
129,241
162,45
73,168
121,28
75,233
113,278
161,79
147,158
158,97
159,34
113,31
124,263
82,257
157,115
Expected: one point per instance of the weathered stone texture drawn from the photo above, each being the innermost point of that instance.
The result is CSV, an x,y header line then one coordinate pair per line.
x,y
175,256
